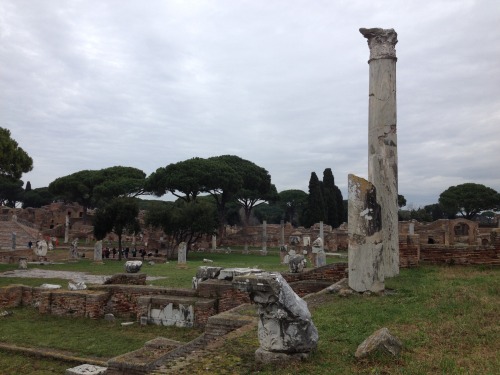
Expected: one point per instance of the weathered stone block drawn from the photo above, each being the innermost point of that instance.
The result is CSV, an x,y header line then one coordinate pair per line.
x,y
133,266
381,341
366,263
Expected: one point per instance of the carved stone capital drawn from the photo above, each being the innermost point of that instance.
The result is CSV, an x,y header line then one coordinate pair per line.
x,y
382,43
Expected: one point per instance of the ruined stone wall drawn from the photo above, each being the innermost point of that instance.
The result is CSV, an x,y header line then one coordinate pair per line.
x,y
52,215
12,257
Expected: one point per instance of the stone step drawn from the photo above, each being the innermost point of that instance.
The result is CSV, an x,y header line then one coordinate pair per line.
x,y
24,234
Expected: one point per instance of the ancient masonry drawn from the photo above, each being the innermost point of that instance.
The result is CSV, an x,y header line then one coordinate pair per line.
x,y
381,189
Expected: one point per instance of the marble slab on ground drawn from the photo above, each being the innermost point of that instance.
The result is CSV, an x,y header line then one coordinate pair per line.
x,y
68,275
86,369
230,273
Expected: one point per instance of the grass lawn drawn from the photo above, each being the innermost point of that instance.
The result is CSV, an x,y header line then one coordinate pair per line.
x,y
447,318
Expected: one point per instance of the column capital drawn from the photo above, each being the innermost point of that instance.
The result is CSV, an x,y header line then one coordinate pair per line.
x,y
382,43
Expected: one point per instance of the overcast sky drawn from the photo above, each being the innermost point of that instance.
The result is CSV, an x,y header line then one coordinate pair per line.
x,y
97,83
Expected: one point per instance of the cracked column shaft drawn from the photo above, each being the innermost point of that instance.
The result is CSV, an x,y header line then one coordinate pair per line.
x,y
382,138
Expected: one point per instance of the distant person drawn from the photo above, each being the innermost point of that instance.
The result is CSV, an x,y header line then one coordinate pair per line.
x,y
114,252
134,252
30,245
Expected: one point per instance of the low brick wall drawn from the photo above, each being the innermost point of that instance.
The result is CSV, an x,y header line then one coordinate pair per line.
x,y
460,254
305,287
120,300
331,272
11,296
222,290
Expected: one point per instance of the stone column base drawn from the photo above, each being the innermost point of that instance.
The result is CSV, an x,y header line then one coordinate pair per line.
x,y
266,357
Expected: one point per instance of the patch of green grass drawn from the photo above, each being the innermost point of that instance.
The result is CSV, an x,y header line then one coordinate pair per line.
x,y
14,363
172,275
82,336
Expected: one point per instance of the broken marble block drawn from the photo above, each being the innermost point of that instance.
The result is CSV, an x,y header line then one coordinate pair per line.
x,y
133,266
296,263
208,272
86,369
77,285
205,273
286,329
231,273
50,286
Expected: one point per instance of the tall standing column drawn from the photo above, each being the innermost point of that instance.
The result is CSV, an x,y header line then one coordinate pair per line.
x,y
322,235
382,139
282,232
264,237
66,230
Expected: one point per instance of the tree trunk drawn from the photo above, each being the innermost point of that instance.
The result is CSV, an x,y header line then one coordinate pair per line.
x,y
119,247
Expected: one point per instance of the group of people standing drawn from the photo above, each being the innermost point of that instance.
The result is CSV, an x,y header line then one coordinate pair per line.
x,y
125,252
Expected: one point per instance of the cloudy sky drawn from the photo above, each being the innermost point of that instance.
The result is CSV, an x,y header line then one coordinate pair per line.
x,y
284,83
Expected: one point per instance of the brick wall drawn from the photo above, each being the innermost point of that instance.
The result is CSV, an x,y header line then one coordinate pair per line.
x,y
409,250
331,272
488,255
11,296
223,291
305,287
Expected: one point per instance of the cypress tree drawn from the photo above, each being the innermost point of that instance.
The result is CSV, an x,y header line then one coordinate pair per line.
x,y
330,198
341,207
315,204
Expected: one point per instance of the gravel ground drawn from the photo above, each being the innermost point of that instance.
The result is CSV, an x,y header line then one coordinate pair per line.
x,y
68,275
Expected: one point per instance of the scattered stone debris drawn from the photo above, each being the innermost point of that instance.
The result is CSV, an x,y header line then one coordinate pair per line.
x,y
339,287
110,318
380,341
125,324
207,260
86,369
5,313
23,263
77,285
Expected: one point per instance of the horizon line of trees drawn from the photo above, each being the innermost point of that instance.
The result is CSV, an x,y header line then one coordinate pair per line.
x,y
211,192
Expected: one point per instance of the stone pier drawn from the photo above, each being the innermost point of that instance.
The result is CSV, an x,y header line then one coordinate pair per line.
x,y
66,230
282,233
382,138
264,237
365,264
